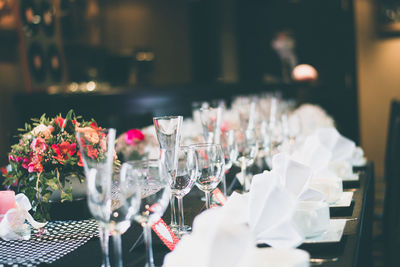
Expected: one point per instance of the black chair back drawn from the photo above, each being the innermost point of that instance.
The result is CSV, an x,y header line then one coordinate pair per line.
x,y
394,113
391,219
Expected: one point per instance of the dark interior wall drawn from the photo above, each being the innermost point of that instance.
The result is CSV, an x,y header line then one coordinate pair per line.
x,y
122,27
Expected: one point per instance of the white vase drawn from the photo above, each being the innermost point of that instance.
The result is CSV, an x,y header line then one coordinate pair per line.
x,y
78,190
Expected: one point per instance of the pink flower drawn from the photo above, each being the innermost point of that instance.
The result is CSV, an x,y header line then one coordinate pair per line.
x,y
38,145
35,165
134,135
11,158
90,134
25,163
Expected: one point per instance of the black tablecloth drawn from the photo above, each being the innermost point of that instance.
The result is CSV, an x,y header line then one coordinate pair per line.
x,y
352,250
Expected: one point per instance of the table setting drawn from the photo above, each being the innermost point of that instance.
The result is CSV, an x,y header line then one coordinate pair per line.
x,y
262,183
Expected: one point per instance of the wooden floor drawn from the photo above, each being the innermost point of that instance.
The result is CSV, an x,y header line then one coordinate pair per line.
x,y
377,231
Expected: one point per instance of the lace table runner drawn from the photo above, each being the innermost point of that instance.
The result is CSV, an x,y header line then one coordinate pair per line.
x,y
58,239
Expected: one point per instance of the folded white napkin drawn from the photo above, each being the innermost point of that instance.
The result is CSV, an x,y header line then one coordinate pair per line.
x,y
295,177
13,226
217,240
273,257
325,156
341,147
271,210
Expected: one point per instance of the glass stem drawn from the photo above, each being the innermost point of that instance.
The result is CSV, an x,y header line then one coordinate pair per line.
x,y
224,184
104,233
207,200
181,216
149,248
117,249
173,212
244,175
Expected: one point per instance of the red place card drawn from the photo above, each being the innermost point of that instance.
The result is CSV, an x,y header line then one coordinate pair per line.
x,y
219,196
165,234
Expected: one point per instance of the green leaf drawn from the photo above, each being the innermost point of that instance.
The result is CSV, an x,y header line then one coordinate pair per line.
x,y
52,184
68,121
66,195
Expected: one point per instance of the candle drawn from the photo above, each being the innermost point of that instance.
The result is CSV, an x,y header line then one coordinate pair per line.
x,y
7,201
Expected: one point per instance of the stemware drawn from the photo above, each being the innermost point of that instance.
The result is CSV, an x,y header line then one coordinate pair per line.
x,y
247,149
183,182
168,131
155,193
211,120
98,172
229,148
210,168
125,203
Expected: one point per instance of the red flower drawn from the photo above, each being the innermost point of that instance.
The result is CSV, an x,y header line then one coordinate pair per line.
x,y
59,121
80,162
94,126
4,171
63,151
133,135
92,152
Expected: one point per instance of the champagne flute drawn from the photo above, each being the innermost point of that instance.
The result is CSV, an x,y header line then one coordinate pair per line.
x,y
229,148
211,168
187,171
168,130
97,152
211,120
247,149
155,193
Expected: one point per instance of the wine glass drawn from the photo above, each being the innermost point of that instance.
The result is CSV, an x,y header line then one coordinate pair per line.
x,y
211,120
168,130
155,193
183,182
229,148
247,149
125,203
210,167
97,154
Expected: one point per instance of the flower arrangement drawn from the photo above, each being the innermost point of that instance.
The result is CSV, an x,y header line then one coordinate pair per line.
x,y
136,144
47,157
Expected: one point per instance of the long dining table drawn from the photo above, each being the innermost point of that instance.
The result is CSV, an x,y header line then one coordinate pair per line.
x,y
353,249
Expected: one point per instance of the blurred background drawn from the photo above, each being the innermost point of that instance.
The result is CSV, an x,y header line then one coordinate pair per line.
x,y
124,61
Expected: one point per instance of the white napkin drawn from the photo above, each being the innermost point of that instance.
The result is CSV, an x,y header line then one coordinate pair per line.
x,y
341,147
295,177
358,159
271,210
217,240
13,226
324,156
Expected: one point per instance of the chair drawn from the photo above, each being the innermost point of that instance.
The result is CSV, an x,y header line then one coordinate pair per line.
x,y
391,215
394,113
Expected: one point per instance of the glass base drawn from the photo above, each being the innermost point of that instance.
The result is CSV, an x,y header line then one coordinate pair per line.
x,y
179,232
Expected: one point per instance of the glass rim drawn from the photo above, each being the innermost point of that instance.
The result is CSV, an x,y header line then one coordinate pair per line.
x,y
136,161
204,145
167,117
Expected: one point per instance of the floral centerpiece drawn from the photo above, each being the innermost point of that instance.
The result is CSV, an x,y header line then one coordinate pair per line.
x,y
136,144
47,158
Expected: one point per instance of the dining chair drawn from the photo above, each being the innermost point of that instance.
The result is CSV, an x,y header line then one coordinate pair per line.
x,y
394,113
391,214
